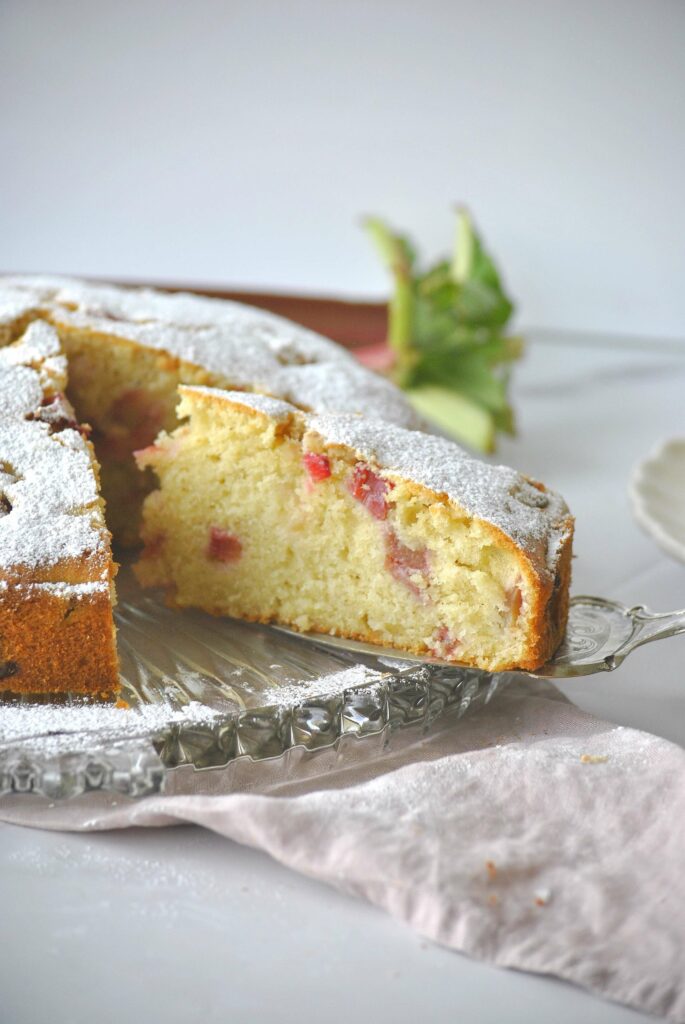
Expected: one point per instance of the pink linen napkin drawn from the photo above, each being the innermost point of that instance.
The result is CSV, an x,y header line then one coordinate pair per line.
x,y
531,835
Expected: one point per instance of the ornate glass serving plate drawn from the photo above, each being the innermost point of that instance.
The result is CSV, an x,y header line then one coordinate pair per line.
x,y
200,693
203,692
657,494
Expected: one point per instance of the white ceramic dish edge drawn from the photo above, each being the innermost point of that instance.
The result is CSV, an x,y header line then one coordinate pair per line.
x,y
657,494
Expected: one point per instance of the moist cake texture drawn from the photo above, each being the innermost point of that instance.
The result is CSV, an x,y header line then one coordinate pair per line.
x,y
56,571
341,524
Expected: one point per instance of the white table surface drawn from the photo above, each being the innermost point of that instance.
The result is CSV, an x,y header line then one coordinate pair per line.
x,y
179,925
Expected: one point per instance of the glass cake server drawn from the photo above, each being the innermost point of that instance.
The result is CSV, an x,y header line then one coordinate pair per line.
x,y
600,634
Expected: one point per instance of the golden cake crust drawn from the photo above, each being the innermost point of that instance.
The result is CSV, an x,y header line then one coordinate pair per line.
x,y
57,641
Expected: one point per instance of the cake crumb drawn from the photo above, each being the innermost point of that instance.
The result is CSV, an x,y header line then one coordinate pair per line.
x,y
491,869
123,704
593,758
542,897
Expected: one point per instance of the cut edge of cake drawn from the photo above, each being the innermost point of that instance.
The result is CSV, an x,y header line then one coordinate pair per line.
x,y
432,544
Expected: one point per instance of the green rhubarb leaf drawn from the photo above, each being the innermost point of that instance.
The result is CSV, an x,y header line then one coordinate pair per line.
x,y
399,257
446,326
457,415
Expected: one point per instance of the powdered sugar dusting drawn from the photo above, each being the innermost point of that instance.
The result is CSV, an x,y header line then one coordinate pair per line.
x,y
47,484
240,346
20,391
28,368
38,343
535,520
300,691
16,303
274,408
59,589
49,728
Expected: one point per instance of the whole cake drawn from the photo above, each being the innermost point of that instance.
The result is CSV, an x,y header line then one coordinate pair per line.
x,y
56,570
351,526
297,491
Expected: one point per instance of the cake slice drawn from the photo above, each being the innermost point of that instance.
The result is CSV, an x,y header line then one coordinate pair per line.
x,y
339,524
56,570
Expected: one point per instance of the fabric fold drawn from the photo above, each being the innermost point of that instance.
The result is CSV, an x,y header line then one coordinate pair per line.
x,y
531,835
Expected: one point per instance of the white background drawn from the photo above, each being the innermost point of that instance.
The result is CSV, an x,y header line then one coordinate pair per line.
x,y
239,143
